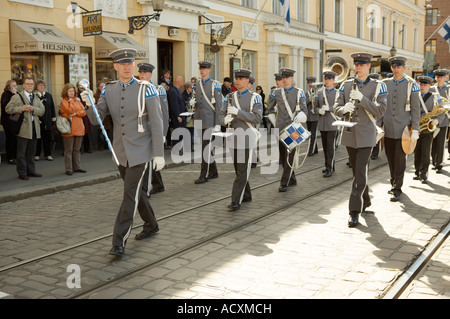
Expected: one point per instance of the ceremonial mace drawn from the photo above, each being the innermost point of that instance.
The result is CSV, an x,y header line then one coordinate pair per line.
x,y
85,84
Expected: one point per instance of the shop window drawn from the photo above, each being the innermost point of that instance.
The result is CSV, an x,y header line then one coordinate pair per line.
x,y
214,58
248,61
23,65
78,66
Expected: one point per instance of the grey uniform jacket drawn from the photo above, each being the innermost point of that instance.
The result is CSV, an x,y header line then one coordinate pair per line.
x,y
203,111
244,115
29,118
164,107
120,100
326,120
363,134
396,117
312,115
431,99
443,92
276,99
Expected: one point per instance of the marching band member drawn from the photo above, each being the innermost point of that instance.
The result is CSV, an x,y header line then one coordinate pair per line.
x,y
208,102
241,110
138,139
278,84
428,100
324,107
362,100
291,103
438,145
403,109
312,117
145,74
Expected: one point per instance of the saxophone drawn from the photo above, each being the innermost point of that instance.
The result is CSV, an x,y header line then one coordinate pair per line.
x,y
426,121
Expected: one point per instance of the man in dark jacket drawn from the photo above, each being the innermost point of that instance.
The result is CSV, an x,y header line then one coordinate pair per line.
x,y
48,121
177,106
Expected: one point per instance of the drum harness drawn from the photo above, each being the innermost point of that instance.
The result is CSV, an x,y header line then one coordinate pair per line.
x,y
297,154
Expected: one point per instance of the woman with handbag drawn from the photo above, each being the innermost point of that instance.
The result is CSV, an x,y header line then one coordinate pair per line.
x,y
72,108
11,139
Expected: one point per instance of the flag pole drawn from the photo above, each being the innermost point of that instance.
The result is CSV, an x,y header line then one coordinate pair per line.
x,y
437,29
249,29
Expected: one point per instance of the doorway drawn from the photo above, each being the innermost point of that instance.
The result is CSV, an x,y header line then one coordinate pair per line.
x,y
165,59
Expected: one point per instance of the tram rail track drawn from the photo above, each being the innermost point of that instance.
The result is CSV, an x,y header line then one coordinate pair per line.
x,y
403,282
98,238
279,209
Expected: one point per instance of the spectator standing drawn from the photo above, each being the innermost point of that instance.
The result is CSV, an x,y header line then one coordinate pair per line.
x,y
226,86
187,95
177,106
87,124
260,91
48,122
31,107
11,139
107,122
73,109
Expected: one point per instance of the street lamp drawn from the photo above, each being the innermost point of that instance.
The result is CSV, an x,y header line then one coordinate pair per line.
x,y
393,51
139,22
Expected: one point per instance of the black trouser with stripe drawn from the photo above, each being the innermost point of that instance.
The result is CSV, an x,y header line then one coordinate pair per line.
x,y
241,187
328,138
422,154
134,199
212,164
437,148
359,197
312,127
397,163
288,163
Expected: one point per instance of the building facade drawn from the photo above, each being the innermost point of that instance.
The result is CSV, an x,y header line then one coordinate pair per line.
x,y
43,38
437,12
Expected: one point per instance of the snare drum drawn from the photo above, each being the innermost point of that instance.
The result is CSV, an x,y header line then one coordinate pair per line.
x,y
293,135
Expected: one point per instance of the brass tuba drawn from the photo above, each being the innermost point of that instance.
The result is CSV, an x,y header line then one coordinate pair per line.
x,y
339,66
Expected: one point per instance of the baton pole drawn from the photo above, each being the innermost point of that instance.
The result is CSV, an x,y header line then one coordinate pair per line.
x,y
103,129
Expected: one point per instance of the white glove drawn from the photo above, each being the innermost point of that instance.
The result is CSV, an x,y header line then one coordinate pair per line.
x,y
272,118
227,119
348,107
356,95
301,117
192,102
217,128
232,110
85,97
322,110
414,135
435,122
164,139
158,163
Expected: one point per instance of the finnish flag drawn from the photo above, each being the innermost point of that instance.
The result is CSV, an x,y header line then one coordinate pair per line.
x,y
286,12
445,31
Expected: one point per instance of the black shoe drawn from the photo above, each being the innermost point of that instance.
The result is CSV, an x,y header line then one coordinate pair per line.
x,y
390,192
424,178
146,233
117,251
328,173
374,157
311,154
416,178
234,206
353,219
201,180
157,190
282,188
394,198
439,170
213,176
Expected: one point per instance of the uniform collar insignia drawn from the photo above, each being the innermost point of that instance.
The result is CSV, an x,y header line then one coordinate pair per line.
x,y
128,83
